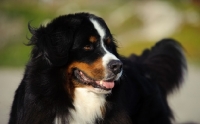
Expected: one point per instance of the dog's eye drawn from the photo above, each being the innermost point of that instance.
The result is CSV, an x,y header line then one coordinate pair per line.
x,y
88,47
109,47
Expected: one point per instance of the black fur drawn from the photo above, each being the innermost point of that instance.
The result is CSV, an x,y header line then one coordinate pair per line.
x,y
139,97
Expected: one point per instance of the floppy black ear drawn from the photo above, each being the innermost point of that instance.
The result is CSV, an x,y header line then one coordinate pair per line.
x,y
53,42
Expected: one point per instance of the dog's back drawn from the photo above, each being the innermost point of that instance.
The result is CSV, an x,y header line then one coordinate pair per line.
x,y
148,79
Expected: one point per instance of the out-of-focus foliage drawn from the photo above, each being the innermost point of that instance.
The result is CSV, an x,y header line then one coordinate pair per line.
x,y
136,25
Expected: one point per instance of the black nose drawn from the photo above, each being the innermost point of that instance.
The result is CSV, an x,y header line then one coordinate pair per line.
x,y
115,66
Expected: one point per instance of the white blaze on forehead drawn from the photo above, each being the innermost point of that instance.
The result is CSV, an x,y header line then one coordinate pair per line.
x,y
99,29
108,56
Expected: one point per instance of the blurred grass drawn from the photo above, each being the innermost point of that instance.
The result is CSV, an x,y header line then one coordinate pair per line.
x,y
135,47
29,11
16,54
189,37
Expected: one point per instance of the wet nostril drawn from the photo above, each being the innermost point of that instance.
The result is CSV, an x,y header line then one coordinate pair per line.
x,y
115,66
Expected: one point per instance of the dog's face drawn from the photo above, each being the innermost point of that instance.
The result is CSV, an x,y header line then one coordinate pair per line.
x,y
94,64
83,43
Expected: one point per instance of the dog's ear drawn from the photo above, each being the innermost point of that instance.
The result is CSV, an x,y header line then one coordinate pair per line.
x,y
53,42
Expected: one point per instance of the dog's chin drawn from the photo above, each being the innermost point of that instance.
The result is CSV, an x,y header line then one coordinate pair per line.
x,y
96,86
99,90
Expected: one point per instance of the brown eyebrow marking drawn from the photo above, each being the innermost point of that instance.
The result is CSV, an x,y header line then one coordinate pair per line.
x,y
93,39
108,40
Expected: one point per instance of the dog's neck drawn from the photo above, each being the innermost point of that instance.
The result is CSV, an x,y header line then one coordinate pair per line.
x,y
88,107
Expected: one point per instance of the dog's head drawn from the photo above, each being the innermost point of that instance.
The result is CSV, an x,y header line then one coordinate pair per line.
x,y
84,46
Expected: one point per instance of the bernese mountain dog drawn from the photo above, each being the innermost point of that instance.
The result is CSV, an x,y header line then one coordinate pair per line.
x,y
76,76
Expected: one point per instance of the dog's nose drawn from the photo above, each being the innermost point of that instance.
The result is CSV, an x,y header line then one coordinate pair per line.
x,y
115,66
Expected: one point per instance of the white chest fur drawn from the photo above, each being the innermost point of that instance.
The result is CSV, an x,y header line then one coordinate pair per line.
x,y
87,106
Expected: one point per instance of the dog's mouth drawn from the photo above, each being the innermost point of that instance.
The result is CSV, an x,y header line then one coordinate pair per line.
x,y
106,85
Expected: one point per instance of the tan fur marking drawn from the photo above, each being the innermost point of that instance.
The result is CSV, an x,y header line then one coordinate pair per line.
x,y
87,48
69,86
95,71
108,40
103,110
93,39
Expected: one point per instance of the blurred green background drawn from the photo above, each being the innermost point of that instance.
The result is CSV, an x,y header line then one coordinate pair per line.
x,y
135,24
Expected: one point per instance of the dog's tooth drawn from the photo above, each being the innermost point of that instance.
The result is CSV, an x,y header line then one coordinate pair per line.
x,y
81,73
85,78
101,83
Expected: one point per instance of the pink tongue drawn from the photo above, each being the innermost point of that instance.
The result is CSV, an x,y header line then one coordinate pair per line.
x,y
108,85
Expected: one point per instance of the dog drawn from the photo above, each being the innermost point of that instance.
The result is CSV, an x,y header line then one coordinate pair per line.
x,y
76,76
